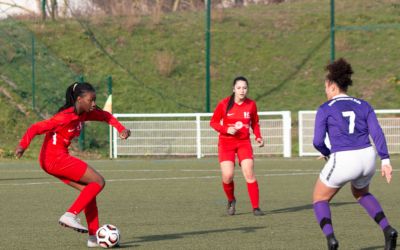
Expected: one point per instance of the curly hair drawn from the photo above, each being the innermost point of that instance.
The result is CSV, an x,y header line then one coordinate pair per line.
x,y
340,72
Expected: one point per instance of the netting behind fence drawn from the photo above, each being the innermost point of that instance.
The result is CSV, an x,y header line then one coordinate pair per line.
x,y
388,119
191,135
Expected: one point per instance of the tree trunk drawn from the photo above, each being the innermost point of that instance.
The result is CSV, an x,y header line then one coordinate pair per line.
x,y
54,9
43,9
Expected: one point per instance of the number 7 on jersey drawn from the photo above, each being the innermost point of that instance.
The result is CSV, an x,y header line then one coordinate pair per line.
x,y
352,118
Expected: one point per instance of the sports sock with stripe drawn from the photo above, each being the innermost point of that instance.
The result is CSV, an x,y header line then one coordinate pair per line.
x,y
374,209
322,212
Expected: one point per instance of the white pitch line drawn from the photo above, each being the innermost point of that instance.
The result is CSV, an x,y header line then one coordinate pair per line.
x,y
30,183
153,179
167,170
100,170
178,170
168,178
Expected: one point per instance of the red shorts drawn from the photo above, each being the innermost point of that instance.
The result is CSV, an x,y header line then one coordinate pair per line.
x,y
64,166
228,149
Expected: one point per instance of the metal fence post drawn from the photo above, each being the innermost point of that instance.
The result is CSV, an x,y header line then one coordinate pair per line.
x,y
81,139
109,84
332,30
33,72
208,25
198,136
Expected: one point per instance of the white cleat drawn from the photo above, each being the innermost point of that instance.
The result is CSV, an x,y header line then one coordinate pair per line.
x,y
92,241
72,221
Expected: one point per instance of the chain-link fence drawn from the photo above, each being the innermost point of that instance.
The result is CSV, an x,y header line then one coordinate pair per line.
x,y
158,60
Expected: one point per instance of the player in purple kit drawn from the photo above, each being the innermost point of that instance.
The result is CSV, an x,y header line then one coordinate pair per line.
x,y
349,122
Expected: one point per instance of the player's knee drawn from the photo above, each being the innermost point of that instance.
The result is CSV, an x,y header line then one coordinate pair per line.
x,y
250,177
318,196
358,193
101,181
227,179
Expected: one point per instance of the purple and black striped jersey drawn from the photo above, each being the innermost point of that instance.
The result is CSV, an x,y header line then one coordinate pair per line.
x,y
349,122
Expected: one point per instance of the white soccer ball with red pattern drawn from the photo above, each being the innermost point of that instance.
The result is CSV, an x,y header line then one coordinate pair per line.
x,y
108,236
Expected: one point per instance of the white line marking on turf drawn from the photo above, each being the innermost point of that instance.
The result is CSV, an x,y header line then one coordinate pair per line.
x,y
153,179
168,178
100,170
178,170
168,170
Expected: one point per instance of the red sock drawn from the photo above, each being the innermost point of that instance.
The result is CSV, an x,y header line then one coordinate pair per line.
x,y
85,197
229,190
253,193
92,216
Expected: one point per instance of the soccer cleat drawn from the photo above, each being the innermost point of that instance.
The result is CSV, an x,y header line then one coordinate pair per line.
x,y
92,241
390,238
333,244
230,209
72,221
258,212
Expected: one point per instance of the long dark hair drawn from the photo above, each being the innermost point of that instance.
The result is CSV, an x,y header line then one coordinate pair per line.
x,y
73,91
232,98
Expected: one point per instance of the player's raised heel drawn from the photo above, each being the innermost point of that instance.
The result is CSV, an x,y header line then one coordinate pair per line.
x,y
92,241
390,238
72,221
258,212
333,244
230,208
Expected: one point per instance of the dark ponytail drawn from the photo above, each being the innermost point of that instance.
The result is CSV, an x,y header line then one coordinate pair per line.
x,y
73,91
230,103
232,98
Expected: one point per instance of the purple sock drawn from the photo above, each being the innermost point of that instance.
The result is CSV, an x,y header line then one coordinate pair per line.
x,y
374,209
323,214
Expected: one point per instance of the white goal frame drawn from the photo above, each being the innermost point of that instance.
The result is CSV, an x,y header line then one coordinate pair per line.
x,y
389,119
152,132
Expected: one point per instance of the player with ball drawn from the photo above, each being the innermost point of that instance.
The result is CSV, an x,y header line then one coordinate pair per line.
x,y
54,158
238,114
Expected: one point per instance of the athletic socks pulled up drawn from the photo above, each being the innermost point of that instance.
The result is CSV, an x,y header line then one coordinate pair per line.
x,y
92,216
254,195
229,189
322,212
374,209
85,197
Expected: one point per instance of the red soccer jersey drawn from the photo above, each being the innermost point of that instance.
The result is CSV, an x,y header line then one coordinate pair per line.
x,y
240,116
63,127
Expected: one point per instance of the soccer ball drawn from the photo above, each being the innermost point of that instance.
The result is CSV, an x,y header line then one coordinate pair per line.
x,y
107,236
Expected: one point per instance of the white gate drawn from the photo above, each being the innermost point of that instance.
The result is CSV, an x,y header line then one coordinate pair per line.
x,y
190,134
389,119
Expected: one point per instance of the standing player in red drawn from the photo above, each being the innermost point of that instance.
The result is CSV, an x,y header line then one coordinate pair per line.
x,y
80,106
238,114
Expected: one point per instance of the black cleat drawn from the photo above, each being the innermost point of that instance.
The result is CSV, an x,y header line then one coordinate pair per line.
x,y
390,238
333,244
258,212
230,208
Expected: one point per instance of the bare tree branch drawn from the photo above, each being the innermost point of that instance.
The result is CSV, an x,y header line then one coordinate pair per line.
x,y
13,5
